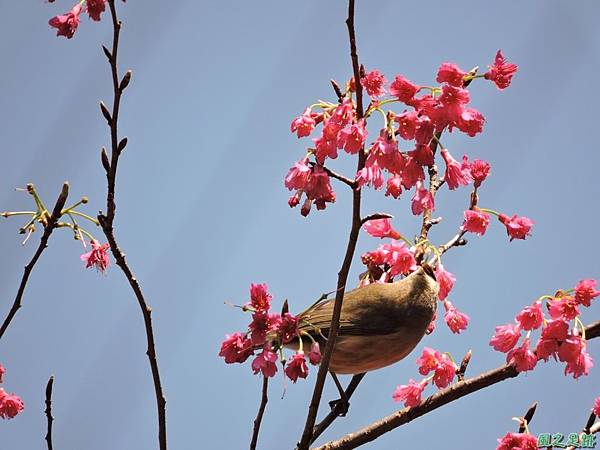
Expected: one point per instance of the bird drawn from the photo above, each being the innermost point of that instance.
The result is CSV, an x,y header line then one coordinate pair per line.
x,y
380,323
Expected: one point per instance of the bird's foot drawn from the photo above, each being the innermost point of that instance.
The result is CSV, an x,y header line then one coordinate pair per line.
x,y
341,406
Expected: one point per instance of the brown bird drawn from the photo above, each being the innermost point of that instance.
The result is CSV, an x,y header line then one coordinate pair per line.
x,y
380,324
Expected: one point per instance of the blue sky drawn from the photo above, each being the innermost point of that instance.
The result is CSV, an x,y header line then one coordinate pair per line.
x,y
202,209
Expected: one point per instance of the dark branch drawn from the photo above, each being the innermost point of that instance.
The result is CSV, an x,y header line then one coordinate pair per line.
x,y
106,222
337,409
375,217
435,401
526,419
48,412
590,428
339,177
48,229
261,410
460,373
313,408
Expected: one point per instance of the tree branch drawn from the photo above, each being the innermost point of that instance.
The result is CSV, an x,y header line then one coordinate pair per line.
x,y
350,249
435,401
48,229
106,221
259,415
590,428
48,411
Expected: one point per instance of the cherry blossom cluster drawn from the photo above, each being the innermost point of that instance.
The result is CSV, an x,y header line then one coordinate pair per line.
x,y
443,107
439,370
268,333
398,258
97,257
10,404
521,441
558,339
66,24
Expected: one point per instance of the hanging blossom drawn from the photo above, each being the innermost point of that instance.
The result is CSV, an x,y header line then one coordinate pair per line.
x,y
557,339
517,441
97,257
10,404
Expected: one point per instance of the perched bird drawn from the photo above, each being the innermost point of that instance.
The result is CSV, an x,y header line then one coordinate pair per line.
x,y
380,323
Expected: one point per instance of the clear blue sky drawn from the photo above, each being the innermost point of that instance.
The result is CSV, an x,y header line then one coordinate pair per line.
x,y
202,209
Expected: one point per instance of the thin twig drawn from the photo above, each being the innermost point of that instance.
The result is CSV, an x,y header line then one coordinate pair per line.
x,y
337,409
526,419
313,408
460,373
435,401
375,216
48,411
590,428
458,240
106,221
48,229
261,410
339,177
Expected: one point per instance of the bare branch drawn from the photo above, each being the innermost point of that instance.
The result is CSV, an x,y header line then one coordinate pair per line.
x,y
48,412
435,401
48,229
526,419
106,222
460,373
259,415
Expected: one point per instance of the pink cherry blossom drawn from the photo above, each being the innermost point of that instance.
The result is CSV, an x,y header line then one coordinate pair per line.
x,y
446,281
400,259
10,405
288,328
571,348
476,221
297,367
352,139
456,320
422,200
265,363
452,102
412,173
470,121
326,145
531,317
506,337
394,186
501,72
479,171
423,154
553,334
444,372
236,348
517,441
580,365
596,407
95,8
319,187
586,291
450,73
314,357
97,257
370,174
2,372
431,327
373,82
342,116
428,360
260,299
403,89
455,174
381,228
410,393
522,358
262,324
564,306
298,175
67,23
407,124
516,227
303,125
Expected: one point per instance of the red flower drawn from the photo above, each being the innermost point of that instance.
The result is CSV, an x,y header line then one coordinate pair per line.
x,y
410,393
2,372
260,299
373,82
522,357
412,173
596,407
455,320
585,292
303,125
407,124
517,441
516,227
297,368
10,405
97,257
446,281
394,186
370,174
450,73
553,334
506,337
564,307
444,372
403,89
236,348
581,365
422,200
263,323
66,24
314,357
501,72
470,121
265,363
288,328
479,171
298,175
476,221
95,8
352,139
381,228
531,317
455,174
398,256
